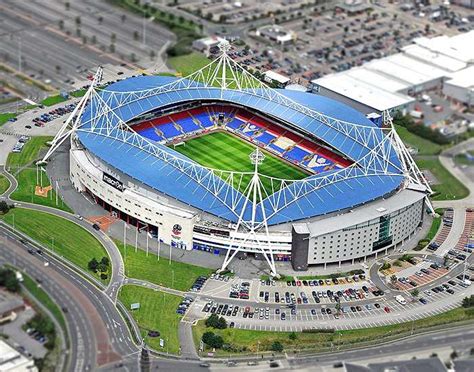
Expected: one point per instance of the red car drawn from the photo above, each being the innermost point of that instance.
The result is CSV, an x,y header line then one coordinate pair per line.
x,y
386,309
298,283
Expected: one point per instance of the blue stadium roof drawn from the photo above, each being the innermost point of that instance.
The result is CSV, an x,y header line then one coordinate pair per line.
x,y
128,99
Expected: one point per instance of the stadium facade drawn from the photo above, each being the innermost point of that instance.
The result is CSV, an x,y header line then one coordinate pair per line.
x,y
360,196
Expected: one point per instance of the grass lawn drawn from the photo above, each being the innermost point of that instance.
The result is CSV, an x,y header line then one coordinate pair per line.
x,y
26,191
224,151
189,63
157,312
78,93
246,340
44,298
424,146
5,116
435,224
53,100
4,184
70,240
449,187
27,176
138,265
462,159
29,153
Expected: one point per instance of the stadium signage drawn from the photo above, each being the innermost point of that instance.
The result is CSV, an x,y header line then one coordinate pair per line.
x,y
112,181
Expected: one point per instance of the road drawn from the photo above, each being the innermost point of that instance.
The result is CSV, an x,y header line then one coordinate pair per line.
x,y
98,331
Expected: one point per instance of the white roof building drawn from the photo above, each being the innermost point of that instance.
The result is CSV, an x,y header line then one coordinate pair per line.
x,y
272,76
356,88
13,360
388,83
460,86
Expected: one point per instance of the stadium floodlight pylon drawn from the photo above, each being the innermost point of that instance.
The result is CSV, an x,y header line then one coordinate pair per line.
x,y
72,122
413,175
252,227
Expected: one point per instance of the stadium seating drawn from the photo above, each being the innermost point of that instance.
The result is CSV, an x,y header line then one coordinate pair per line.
x,y
254,128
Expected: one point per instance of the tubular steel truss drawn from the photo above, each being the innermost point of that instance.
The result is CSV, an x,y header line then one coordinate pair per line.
x,y
385,154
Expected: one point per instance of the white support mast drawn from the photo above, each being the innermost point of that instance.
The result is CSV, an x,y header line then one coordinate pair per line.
x,y
413,174
254,226
67,129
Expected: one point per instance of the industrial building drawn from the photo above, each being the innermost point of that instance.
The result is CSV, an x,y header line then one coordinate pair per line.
x,y
441,64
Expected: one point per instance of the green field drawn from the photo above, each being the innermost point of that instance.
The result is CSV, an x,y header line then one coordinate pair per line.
x,y
21,165
4,184
26,190
157,312
30,153
178,275
59,235
5,116
449,187
53,100
424,146
223,151
247,340
187,64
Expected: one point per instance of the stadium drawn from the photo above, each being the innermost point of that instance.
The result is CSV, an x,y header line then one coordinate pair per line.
x,y
218,161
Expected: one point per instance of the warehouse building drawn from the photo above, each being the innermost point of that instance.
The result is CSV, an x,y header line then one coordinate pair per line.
x,y
391,83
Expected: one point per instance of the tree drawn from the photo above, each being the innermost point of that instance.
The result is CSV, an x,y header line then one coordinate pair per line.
x,y
415,292
212,340
468,301
9,281
292,336
277,346
105,261
78,21
216,321
101,267
393,279
338,307
93,265
4,208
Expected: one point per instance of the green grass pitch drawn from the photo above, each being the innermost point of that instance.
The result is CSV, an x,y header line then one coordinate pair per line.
x,y
223,151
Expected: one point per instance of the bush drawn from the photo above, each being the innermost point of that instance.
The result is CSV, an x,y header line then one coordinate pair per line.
x,y
315,330
93,265
292,336
468,302
420,129
9,281
103,276
45,326
277,346
386,265
216,321
421,244
212,340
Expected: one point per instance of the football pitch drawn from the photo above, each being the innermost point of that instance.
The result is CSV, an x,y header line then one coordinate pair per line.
x,y
223,151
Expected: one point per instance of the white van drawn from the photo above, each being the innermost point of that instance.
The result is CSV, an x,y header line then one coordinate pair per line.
x,y
401,300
